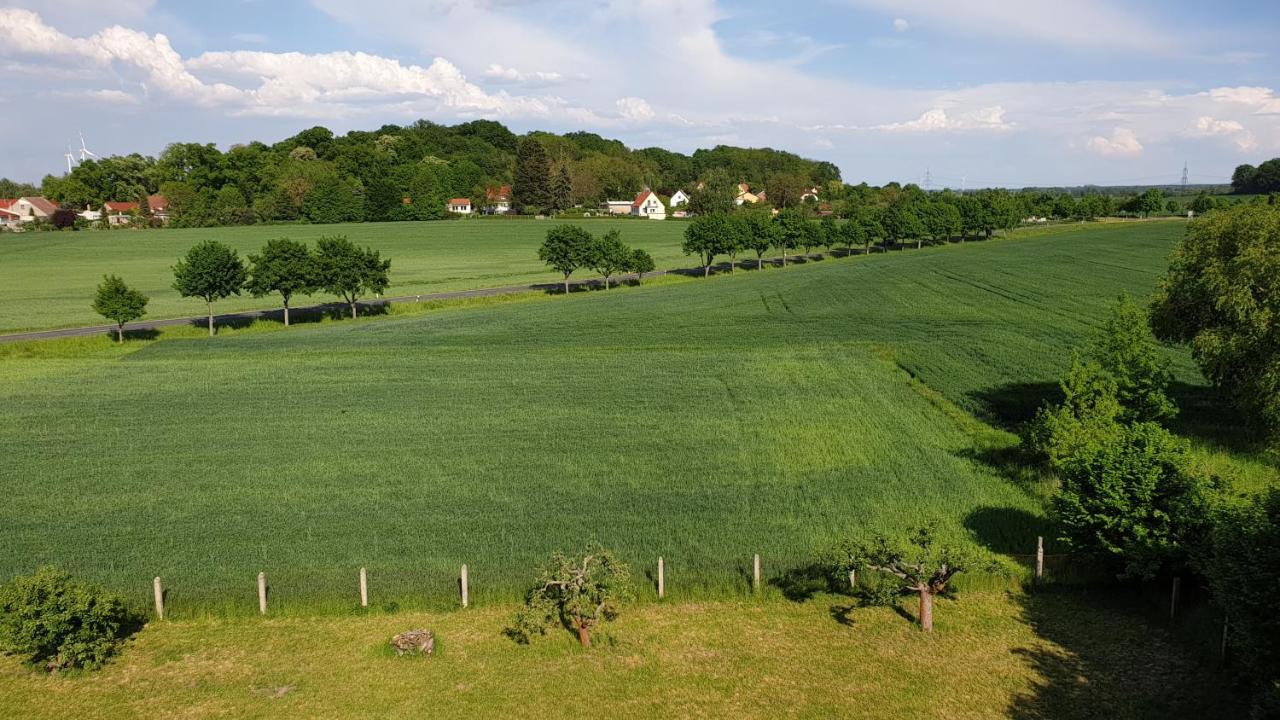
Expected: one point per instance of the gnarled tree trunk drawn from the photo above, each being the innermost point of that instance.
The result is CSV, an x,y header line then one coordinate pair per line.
x,y
926,609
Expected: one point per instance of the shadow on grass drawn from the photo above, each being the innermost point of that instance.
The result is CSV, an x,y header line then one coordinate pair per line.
x,y
141,334
1102,658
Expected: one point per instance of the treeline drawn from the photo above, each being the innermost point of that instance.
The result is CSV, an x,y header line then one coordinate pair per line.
x,y
1262,179
212,271
404,173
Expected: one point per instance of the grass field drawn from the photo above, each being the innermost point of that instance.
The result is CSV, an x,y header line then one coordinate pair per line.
x,y
1048,655
48,279
769,412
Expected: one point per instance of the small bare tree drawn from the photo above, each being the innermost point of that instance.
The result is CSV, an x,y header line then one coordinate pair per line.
x,y
579,592
922,563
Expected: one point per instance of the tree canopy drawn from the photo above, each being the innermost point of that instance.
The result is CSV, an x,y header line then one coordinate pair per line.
x,y
210,271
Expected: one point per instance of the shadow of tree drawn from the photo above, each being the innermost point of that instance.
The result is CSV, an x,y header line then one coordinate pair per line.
x,y
1100,658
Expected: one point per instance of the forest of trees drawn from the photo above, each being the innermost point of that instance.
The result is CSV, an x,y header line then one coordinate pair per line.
x,y
402,173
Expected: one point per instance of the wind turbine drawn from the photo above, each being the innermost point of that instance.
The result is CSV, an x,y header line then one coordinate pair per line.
x,y
84,151
70,159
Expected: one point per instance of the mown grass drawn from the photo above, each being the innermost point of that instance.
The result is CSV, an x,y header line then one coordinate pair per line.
x,y
993,655
769,412
47,279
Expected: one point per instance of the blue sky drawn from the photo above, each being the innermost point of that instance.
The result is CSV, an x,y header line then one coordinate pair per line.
x,y
982,92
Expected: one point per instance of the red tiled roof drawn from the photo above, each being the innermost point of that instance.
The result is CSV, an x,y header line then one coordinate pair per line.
x,y
5,211
5,203
498,193
460,201
641,198
120,206
41,204
157,203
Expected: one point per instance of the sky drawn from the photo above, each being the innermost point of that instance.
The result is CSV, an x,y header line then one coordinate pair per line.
x,y
975,93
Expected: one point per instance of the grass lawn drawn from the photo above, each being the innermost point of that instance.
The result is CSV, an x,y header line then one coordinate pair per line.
x,y
770,412
1047,655
47,279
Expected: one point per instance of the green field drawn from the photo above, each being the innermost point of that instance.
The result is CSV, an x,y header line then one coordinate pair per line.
x,y
47,279
707,420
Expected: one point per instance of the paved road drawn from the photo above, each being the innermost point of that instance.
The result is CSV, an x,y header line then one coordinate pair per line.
x,y
201,320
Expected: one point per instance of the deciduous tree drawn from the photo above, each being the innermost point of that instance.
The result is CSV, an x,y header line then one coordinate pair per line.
x,y
119,303
210,271
566,249
284,266
609,255
579,592
348,271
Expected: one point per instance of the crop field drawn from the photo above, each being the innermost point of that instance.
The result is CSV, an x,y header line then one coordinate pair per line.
x,y
770,412
47,279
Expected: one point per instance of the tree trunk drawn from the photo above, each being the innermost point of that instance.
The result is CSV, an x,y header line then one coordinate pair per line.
x,y
919,243
353,309
759,262
584,636
120,333
210,304
286,313
784,257
926,610
731,264
566,284
706,270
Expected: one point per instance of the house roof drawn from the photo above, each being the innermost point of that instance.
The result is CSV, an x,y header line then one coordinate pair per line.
x,y
6,212
743,187
41,204
113,206
5,203
460,201
498,193
157,203
642,197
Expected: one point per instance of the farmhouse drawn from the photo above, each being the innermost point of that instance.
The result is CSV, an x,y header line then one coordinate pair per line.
x,y
497,200
618,207
678,199
745,195
120,213
648,205
461,206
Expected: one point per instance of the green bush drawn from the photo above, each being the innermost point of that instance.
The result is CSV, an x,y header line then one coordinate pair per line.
x,y
1085,420
52,619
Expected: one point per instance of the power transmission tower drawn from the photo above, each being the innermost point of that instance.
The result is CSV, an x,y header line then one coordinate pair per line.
x,y
928,180
1184,174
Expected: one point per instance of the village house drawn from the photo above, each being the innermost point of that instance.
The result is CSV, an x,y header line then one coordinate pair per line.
x,y
461,206
497,200
9,220
745,195
158,206
618,207
678,199
29,209
119,213
648,205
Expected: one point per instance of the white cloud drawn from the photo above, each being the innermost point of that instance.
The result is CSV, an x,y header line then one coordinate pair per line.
x,y
1263,99
901,25
1122,143
634,109
502,74
937,120
1207,126
250,38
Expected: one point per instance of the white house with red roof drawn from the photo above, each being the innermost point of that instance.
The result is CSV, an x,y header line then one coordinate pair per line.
x,y
158,206
648,205
9,219
497,200
120,213
461,206
30,209
679,198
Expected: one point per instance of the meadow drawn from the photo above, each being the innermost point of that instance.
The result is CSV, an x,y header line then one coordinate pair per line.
x,y
704,420
47,279
1064,656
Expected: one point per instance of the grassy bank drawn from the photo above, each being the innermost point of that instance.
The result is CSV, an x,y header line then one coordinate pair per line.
x,y
994,655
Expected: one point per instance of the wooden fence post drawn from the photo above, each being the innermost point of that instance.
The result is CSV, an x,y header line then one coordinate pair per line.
x,y
1039,557
159,592
1173,597
465,596
662,579
1225,621
853,579
262,593
364,588
755,573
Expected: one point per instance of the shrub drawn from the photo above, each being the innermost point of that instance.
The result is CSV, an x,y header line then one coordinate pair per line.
x,y
54,620
1126,349
1132,497
1087,417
